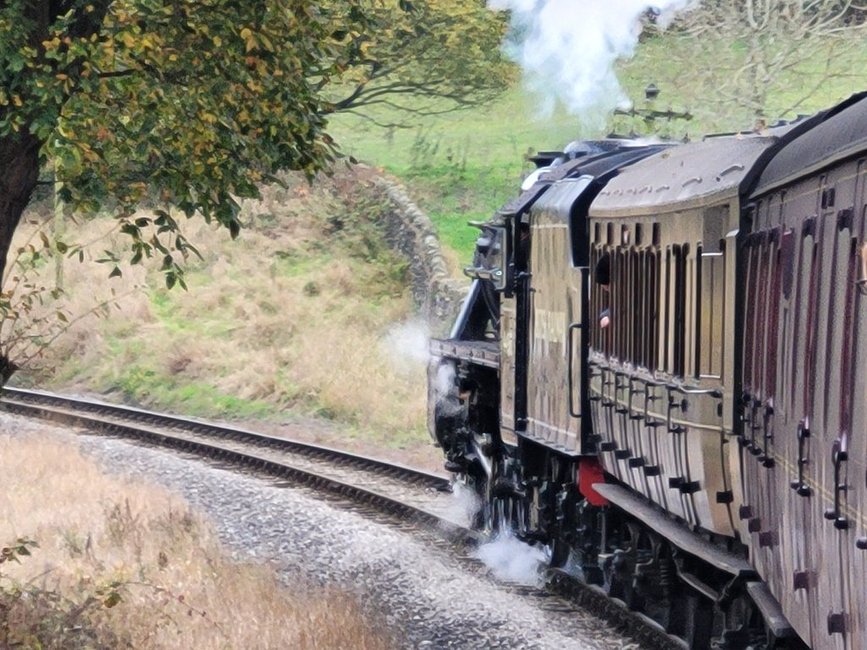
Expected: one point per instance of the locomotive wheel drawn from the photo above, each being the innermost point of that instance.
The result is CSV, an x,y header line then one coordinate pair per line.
x,y
495,509
691,617
504,502
619,569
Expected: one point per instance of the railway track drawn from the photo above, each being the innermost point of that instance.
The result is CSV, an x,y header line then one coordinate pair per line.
x,y
406,496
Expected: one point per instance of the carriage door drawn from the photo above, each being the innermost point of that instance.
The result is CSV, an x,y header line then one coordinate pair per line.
x,y
557,351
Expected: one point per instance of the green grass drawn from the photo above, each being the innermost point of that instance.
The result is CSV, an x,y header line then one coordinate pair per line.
x,y
143,383
461,166
464,165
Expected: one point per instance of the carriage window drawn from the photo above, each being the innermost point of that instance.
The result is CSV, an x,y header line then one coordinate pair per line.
x,y
847,367
644,302
760,328
666,347
812,328
804,271
651,307
773,313
751,260
711,317
616,288
620,315
680,255
637,307
601,332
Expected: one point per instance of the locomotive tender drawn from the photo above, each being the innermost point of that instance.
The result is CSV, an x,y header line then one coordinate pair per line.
x,y
659,372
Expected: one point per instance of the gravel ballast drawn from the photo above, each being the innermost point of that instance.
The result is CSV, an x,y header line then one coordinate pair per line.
x,y
424,596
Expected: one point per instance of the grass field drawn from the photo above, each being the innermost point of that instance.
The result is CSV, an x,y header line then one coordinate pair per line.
x,y
295,318
464,165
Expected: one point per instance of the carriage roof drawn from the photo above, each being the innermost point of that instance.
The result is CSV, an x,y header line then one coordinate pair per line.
x,y
691,175
840,133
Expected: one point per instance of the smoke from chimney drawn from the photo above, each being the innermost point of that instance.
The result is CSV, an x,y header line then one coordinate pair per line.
x,y
567,49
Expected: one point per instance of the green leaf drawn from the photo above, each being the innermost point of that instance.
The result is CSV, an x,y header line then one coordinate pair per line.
x,y
112,599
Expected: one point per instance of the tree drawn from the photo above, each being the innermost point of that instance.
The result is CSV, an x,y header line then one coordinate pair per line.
x,y
425,57
764,59
194,103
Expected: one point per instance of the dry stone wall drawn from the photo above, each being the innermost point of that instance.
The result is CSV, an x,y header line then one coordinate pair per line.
x,y
409,231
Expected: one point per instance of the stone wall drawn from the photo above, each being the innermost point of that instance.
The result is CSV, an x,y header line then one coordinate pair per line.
x,y
437,296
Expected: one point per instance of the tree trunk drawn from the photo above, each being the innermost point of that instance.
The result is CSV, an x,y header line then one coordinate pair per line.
x,y
19,173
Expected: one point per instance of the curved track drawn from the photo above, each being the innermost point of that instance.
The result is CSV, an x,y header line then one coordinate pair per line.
x,y
415,498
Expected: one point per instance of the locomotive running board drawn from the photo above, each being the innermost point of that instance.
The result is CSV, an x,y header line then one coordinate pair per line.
x,y
482,353
777,623
681,537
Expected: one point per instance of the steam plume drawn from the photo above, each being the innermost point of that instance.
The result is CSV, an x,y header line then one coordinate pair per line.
x,y
513,561
567,48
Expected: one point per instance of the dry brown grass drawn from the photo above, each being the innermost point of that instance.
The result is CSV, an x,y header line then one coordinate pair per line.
x,y
294,315
177,589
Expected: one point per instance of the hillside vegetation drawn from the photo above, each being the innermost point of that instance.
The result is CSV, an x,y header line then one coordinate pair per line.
x,y
308,313
464,165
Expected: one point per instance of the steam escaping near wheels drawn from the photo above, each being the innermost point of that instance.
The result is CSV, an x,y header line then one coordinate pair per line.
x,y
465,504
511,560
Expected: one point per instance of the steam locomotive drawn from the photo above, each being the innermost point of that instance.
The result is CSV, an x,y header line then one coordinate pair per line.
x,y
660,373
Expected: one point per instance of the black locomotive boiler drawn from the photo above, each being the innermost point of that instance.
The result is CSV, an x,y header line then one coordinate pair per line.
x,y
660,372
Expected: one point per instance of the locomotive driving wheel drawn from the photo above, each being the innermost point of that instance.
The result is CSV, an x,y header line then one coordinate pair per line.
x,y
493,479
504,505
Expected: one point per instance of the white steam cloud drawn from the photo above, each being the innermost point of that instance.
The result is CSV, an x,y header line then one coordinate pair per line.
x,y
406,345
446,391
567,48
511,560
464,504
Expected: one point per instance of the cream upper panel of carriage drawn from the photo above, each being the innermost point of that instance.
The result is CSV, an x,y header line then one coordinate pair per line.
x,y
841,134
692,175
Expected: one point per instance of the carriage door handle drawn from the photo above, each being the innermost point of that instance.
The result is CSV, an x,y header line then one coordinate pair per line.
x,y
570,350
840,456
800,486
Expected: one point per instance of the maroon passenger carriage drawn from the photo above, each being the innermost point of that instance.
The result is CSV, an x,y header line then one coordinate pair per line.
x,y
701,457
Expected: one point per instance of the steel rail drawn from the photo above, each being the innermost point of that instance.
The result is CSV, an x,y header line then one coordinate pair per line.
x,y
110,419
132,423
311,450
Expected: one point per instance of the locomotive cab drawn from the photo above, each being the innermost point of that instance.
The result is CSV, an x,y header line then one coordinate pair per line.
x,y
507,385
